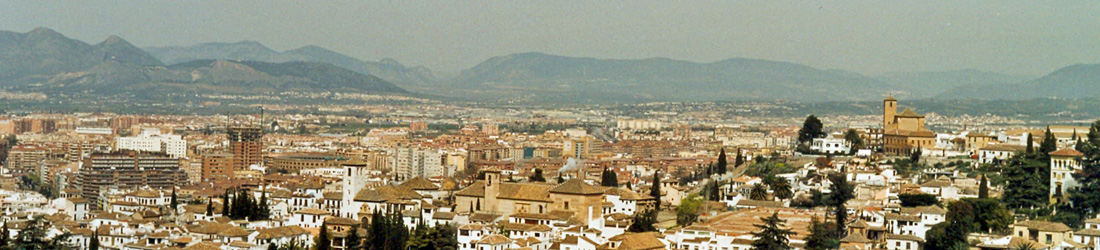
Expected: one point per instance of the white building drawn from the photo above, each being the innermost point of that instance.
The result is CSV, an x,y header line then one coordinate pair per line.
x,y
830,146
151,140
411,162
1063,163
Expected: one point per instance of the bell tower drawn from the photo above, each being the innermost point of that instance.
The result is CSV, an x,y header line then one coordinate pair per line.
x,y
889,110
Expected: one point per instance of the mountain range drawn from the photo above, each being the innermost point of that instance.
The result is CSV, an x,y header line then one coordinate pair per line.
x,y
388,68
46,61
1071,82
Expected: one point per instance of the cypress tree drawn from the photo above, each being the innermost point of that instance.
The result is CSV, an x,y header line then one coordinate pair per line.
x,y
5,237
210,207
353,241
174,202
227,210
655,190
322,242
93,245
983,188
722,161
264,211
609,178
1050,144
740,159
1030,143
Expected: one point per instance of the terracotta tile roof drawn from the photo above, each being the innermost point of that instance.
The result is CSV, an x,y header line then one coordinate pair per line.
x,y
1043,226
341,221
279,232
909,113
419,184
904,237
634,241
386,193
1068,152
312,211
855,238
494,239
576,186
1004,147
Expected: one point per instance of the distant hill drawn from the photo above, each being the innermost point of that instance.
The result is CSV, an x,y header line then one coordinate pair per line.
x,y
1072,82
43,60
388,69
542,77
42,52
928,84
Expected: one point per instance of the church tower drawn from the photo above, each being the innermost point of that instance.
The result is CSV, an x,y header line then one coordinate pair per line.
x,y
889,110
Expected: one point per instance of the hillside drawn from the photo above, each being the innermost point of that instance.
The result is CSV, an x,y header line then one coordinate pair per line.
x,y
387,69
1070,82
43,60
542,77
934,83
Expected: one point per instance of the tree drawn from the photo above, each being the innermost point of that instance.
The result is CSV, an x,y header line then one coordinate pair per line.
x,y
688,211
782,190
174,202
772,235
1049,143
914,157
841,192
1030,143
758,192
722,161
35,235
322,242
5,238
227,210
811,128
740,159
1026,182
917,200
210,207
560,179
821,236
264,210
609,178
951,234
643,222
853,139
983,188
92,245
990,215
537,176
655,190
272,246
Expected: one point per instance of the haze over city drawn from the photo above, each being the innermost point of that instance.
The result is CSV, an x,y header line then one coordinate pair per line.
x,y
869,37
510,125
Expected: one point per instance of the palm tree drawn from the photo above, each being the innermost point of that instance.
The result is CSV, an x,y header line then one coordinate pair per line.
x,y
758,192
782,190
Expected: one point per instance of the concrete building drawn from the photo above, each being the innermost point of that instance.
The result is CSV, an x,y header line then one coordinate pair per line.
x,y
246,145
129,170
151,140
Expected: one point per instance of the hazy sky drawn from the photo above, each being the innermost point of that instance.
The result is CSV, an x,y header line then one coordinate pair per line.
x,y
862,36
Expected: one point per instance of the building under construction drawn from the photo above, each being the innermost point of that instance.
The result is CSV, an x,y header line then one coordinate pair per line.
x,y
246,145
127,170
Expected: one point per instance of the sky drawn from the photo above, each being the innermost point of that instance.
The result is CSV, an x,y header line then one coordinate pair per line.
x,y
869,37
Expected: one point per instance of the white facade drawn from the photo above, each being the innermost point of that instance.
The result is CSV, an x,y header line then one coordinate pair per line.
x,y
411,162
830,146
151,140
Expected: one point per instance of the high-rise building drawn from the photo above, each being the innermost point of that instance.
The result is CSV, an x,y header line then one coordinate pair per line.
x,y
411,161
130,170
246,144
217,166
